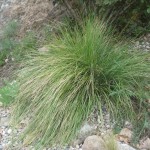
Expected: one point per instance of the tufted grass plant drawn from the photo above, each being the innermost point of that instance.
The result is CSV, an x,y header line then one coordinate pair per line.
x,y
84,67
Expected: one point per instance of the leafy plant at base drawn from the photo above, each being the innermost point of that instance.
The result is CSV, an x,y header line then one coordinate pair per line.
x,y
8,93
84,67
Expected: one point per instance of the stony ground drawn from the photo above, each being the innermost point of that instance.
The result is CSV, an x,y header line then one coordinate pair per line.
x,y
143,43
90,128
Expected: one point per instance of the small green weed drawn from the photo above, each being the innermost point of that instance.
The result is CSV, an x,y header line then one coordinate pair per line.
x,y
8,93
11,29
3,56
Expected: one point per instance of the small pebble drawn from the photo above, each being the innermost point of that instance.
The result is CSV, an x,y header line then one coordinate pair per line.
x,y
137,43
9,131
107,126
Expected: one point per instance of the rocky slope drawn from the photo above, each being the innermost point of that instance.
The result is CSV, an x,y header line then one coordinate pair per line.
x,y
31,14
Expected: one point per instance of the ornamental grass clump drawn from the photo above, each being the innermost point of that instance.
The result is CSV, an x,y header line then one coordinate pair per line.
x,y
84,67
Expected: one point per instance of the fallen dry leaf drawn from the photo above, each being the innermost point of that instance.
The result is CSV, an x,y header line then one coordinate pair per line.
x,y
126,132
125,135
122,138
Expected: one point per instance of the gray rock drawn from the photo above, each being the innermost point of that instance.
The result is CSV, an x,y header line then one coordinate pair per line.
x,y
4,121
87,128
1,148
93,143
9,131
85,131
124,146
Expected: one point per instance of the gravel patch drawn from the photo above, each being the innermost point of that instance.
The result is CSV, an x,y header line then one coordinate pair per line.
x,y
143,43
8,135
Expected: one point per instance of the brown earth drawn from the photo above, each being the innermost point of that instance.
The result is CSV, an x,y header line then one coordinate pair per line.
x,y
33,14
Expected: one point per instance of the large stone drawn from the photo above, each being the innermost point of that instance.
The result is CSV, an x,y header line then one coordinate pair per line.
x,y
122,146
85,131
4,121
93,142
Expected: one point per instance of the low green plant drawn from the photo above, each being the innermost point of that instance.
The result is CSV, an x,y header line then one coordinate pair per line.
x,y
8,93
26,45
85,67
142,124
3,56
11,29
10,47
7,41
